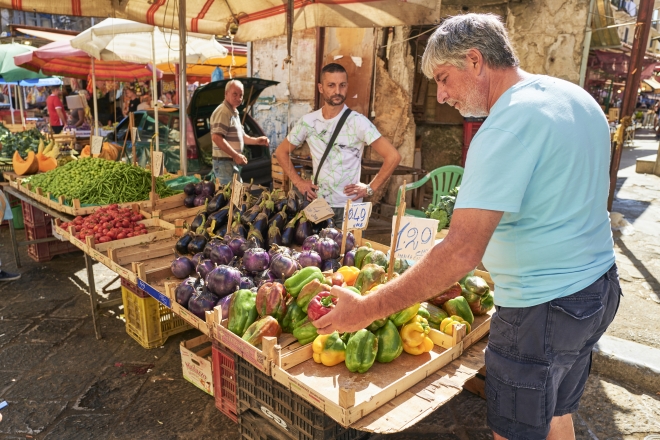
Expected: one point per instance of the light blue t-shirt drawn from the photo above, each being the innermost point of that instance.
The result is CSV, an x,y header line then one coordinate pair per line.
x,y
542,156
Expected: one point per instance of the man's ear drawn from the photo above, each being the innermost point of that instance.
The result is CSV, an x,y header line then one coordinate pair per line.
x,y
474,60
320,87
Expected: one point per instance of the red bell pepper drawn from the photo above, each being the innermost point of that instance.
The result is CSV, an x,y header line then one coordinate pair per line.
x,y
320,305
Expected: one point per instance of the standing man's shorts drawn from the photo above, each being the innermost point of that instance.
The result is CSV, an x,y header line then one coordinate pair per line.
x,y
224,169
538,358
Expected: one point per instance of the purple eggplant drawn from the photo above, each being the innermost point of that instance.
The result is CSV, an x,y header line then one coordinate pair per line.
x,y
310,242
219,216
224,305
349,258
221,254
330,233
261,223
350,240
292,203
204,268
189,201
181,245
199,220
279,219
309,258
198,257
217,202
236,242
208,189
201,302
331,264
256,260
246,283
223,280
283,265
274,236
289,233
185,290
327,249
255,234
303,230
207,249
182,267
197,244
189,189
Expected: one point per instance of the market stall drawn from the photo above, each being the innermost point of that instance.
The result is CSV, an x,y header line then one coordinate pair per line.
x,y
256,306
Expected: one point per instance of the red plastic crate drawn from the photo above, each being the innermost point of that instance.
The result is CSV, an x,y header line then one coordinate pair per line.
x,y
33,216
224,380
45,251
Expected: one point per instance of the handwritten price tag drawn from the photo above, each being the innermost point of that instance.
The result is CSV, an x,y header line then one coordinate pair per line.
x,y
134,134
358,215
318,210
97,144
157,162
416,237
236,192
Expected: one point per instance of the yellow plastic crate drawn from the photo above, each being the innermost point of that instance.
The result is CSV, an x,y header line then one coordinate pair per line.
x,y
149,322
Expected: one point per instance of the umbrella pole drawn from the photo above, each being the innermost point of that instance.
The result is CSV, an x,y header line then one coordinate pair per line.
x,y
96,108
11,105
154,86
20,105
183,89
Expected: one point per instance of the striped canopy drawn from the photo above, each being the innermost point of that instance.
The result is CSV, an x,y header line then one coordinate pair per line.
x,y
59,58
255,19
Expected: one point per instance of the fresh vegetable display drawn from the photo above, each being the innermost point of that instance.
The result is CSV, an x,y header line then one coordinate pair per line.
x,y
266,326
414,335
107,224
459,306
447,325
390,344
478,295
361,351
99,182
21,142
242,311
444,209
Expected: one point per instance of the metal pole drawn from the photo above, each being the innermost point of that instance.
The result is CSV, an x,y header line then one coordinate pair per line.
x,y
642,29
14,245
154,86
96,107
587,44
11,105
89,263
183,89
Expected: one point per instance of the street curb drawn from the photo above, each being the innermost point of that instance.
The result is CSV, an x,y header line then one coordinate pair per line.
x,y
627,362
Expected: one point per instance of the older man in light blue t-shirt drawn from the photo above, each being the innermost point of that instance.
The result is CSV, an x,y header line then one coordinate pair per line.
x,y
533,208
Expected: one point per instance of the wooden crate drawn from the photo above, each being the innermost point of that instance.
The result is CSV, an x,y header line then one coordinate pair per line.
x,y
59,205
184,313
280,179
477,385
172,208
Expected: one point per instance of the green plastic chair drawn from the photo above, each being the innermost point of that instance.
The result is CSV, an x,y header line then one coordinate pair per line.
x,y
444,180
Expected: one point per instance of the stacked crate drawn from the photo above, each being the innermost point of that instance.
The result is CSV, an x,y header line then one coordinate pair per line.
x,y
38,226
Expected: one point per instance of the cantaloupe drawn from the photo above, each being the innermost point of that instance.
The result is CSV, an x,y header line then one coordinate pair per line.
x,y
27,166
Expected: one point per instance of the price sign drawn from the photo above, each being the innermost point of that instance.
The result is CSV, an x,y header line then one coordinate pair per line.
x,y
416,237
134,134
157,163
97,144
358,215
318,210
236,192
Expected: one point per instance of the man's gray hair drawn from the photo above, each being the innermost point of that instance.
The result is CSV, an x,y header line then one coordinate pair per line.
x,y
450,43
233,83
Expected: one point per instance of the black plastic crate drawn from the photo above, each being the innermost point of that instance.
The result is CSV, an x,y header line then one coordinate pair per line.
x,y
252,427
286,410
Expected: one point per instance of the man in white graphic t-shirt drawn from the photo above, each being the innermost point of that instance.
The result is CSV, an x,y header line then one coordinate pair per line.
x,y
339,175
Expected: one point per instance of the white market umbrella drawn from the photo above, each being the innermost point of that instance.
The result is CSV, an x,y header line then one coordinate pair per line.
x,y
116,39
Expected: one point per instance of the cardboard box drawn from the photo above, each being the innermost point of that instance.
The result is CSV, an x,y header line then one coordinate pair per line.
x,y
196,363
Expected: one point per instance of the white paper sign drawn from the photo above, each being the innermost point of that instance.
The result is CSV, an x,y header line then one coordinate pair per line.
x,y
97,144
318,210
157,162
416,237
134,134
358,215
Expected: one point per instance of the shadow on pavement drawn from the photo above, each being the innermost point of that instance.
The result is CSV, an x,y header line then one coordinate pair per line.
x,y
639,265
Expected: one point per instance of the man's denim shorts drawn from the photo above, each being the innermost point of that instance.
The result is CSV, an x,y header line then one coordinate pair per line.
x,y
224,170
538,358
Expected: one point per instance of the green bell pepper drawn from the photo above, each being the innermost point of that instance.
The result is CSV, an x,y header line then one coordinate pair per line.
x,y
435,314
353,289
361,351
360,253
483,304
369,276
376,257
390,345
459,306
377,324
242,311
305,332
301,278
403,316
294,314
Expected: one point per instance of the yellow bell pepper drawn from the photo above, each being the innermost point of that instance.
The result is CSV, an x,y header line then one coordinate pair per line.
x,y
424,347
350,274
329,350
414,335
447,325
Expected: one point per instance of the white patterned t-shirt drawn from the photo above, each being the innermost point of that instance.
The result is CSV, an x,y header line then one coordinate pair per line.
x,y
343,165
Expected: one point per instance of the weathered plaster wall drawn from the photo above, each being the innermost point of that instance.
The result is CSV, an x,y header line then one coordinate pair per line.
x,y
280,106
548,35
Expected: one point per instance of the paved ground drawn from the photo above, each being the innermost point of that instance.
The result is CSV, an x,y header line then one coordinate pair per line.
x,y
62,383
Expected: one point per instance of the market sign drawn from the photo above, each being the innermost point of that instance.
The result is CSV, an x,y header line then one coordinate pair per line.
x,y
415,238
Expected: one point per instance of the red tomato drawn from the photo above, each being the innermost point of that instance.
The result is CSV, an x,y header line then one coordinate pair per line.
x,y
136,217
125,223
130,234
78,228
105,239
112,234
121,235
